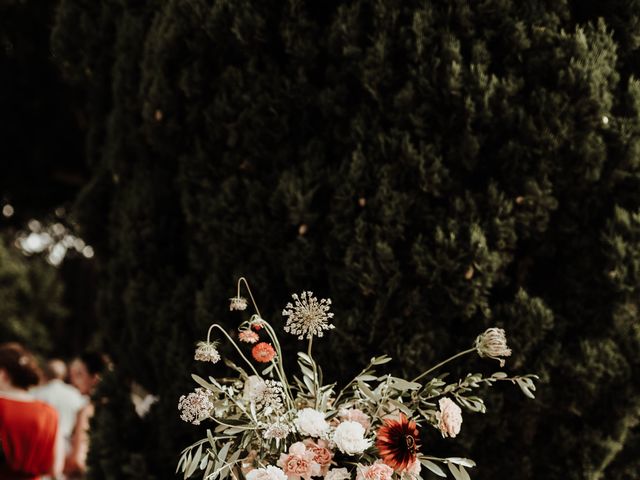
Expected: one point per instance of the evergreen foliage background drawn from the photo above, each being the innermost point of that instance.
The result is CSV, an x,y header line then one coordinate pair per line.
x,y
31,299
435,168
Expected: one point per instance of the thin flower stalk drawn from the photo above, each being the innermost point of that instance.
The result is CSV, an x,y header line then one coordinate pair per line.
x,y
444,362
279,366
215,325
246,284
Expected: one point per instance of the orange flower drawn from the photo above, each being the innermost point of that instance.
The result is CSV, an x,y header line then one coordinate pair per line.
x,y
263,352
397,442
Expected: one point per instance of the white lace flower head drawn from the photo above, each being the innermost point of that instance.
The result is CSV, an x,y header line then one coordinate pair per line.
x,y
237,303
308,316
207,352
277,430
195,406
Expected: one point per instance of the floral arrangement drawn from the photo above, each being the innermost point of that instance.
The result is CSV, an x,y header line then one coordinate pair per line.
x,y
266,425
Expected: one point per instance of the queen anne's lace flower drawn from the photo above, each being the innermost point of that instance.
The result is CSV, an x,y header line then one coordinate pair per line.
x,y
349,438
493,344
267,395
311,422
307,316
237,303
207,352
449,418
195,406
277,430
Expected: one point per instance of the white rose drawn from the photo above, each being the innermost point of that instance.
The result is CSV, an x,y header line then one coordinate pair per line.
x,y
311,422
268,473
349,438
337,474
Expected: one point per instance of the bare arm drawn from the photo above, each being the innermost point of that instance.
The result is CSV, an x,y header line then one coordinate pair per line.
x,y
77,459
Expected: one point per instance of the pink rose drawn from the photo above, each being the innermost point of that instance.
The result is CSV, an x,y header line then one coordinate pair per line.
x,y
299,462
449,418
377,471
321,454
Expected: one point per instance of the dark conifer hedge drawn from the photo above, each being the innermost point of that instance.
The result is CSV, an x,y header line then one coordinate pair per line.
x,y
434,167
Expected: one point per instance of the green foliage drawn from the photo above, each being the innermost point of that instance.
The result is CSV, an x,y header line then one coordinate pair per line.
x,y
435,168
31,299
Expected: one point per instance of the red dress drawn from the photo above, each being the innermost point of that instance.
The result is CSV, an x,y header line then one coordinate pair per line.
x,y
28,430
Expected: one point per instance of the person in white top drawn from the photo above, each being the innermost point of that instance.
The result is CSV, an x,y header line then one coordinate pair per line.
x,y
65,398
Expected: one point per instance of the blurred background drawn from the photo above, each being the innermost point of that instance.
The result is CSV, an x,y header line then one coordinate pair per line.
x,y
436,168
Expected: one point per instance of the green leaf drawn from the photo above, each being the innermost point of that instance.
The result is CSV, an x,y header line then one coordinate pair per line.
x,y
202,382
525,388
433,467
222,454
195,461
402,384
381,360
465,475
400,406
306,371
368,378
367,391
455,471
467,462
305,358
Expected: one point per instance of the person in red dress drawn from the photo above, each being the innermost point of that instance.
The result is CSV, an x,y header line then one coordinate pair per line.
x,y
30,445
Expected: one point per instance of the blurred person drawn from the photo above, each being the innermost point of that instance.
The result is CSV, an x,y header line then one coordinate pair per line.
x,y
85,373
65,398
30,441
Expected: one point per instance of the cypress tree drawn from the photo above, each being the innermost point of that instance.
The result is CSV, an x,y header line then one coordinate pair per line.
x,y
435,168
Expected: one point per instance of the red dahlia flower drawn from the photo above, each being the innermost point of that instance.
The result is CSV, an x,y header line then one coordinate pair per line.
x,y
398,442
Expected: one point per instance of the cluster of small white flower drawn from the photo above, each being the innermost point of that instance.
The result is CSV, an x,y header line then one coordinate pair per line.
x,y
307,316
195,406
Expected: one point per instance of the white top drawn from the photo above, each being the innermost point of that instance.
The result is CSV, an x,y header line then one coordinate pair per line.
x,y
67,401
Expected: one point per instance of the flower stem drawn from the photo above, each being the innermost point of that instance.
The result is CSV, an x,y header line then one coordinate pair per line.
x,y
246,284
280,369
457,355
316,382
215,325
